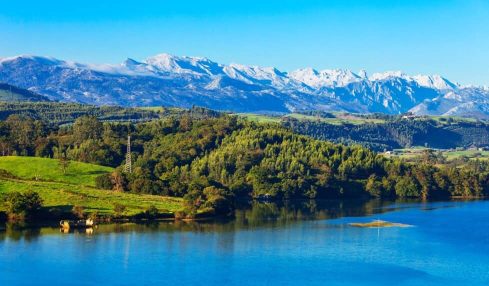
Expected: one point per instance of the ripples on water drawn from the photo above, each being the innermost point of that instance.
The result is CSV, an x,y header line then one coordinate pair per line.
x,y
294,243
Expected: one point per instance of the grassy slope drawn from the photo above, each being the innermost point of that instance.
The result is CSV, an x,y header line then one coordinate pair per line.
x,y
62,192
260,118
411,153
346,118
48,170
472,154
339,118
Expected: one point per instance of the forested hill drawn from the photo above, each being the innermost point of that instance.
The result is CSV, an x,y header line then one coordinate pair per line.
x,y
57,113
375,131
10,93
211,160
398,132
61,113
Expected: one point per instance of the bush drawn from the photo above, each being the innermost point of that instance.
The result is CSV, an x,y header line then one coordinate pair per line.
x,y
406,187
7,175
186,213
78,211
119,209
23,205
94,215
218,199
152,212
374,186
104,182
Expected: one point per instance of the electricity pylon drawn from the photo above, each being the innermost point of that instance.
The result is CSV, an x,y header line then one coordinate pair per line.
x,y
128,166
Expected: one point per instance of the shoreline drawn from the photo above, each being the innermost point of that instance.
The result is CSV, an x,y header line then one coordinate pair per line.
x,y
46,220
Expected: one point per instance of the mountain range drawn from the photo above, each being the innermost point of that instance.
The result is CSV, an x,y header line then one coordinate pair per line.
x,y
185,81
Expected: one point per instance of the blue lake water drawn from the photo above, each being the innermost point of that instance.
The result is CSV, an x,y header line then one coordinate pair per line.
x,y
306,244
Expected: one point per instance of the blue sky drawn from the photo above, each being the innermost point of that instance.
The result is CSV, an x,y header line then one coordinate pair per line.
x,y
446,37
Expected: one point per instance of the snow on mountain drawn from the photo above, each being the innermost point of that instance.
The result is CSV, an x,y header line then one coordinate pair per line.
x,y
473,102
430,81
388,75
434,81
184,81
192,65
254,74
318,79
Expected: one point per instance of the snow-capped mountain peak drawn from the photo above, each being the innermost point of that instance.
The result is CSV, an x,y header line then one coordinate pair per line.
x,y
328,77
192,65
434,81
257,75
388,75
429,81
363,74
31,58
165,79
131,63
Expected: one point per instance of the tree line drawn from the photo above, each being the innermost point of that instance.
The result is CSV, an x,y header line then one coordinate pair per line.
x,y
212,160
397,132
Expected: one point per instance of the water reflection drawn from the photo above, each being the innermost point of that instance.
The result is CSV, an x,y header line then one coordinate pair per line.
x,y
291,243
18,231
250,215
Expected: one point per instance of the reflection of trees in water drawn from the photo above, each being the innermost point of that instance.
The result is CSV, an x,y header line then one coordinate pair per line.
x,y
18,231
284,213
250,215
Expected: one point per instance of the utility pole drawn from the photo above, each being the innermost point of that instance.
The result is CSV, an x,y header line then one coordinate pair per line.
x,y
128,166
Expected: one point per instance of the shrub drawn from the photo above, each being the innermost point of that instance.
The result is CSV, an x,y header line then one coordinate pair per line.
x,y
119,209
374,186
7,175
119,181
104,182
78,211
23,205
94,215
406,187
152,212
218,199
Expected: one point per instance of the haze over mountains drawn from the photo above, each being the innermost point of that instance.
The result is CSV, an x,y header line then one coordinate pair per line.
x,y
185,81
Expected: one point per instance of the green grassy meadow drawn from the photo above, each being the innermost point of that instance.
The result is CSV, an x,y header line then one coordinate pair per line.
x,y
340,118
471,154
260,118
412,153
60,192
45,169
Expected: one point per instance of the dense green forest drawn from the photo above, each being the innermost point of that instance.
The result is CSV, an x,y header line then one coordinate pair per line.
x,y
62,113
212,160
397,132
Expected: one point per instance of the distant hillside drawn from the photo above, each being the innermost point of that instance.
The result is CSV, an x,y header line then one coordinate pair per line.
x,y
10,93
396,132
61,113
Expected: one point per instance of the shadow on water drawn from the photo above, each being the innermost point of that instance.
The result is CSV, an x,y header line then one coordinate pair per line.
x,y
248,216
19,231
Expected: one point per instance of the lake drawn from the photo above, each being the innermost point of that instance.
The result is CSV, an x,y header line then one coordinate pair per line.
x,y
302,243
